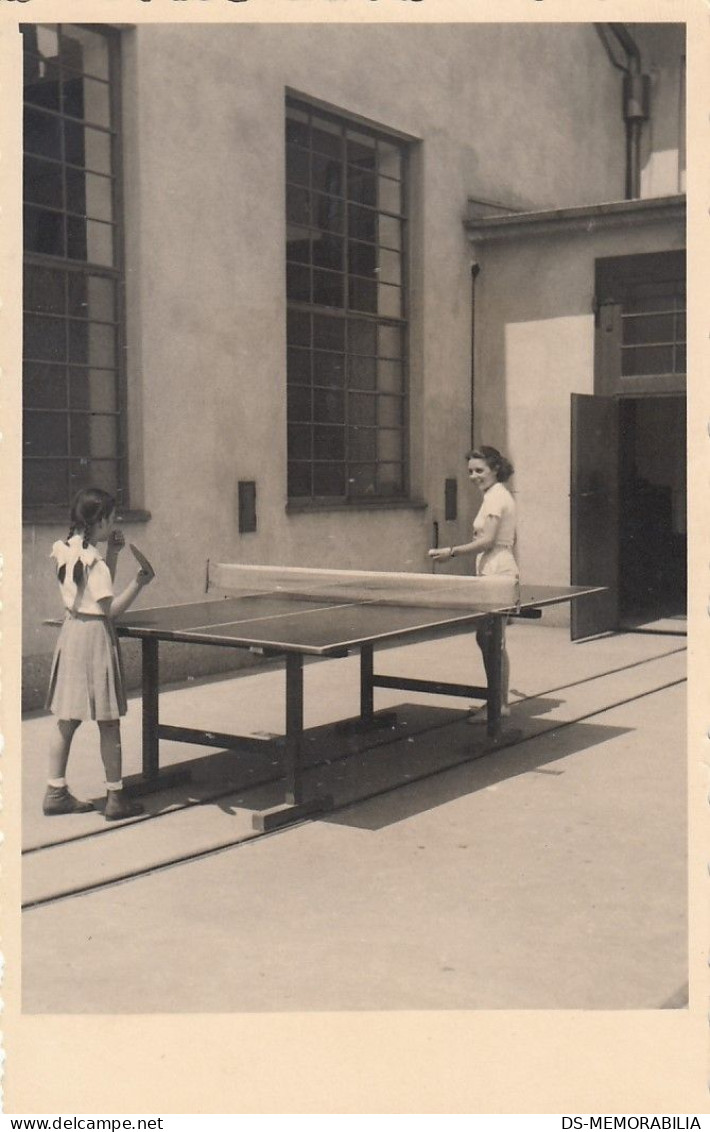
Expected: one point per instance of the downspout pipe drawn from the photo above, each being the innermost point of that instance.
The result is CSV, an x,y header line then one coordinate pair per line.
x,y
636,107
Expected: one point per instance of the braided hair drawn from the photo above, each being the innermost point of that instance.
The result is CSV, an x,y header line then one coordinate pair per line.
x,y
90,506
492,457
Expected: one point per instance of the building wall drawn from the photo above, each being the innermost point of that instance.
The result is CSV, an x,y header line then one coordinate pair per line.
x,y
526,115
535,297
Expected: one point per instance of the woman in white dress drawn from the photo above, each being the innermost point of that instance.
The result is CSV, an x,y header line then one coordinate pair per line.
x,y
493,542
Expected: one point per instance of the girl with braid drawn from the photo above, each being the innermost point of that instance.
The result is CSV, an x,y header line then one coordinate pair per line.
x,y
86,681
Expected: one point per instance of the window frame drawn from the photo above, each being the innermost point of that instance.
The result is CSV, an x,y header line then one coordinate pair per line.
x,y
85,268
348,124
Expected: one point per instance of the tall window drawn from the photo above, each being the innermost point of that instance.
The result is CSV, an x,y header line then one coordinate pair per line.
x,y
72,275
346,334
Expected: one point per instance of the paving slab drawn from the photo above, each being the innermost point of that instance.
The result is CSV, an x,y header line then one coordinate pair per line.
x,y
550,874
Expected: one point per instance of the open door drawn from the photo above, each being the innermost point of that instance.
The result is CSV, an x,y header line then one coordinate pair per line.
x,y
594,497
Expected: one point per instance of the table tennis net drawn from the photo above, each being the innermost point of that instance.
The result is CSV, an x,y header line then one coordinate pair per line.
x,y
378,586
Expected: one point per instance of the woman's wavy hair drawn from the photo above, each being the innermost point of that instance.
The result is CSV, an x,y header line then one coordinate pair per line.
x,y
90,506
495,461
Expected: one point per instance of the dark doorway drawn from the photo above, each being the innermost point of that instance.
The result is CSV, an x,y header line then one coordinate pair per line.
x,y
652,514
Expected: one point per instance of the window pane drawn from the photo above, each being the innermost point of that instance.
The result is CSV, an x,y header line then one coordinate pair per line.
x,y
43,231
297,129
299,366
298,245
44,386
362,223
389,341
42,182
298,208
328,213
363,479
42,134
87,147
389,444
45,434
362,187
362,259
362,409
298,283
328,369
45,482
92,343
363,373
328,252
680,360
646,360
362,444
389,411
390,479
328,406
92,294
363,294
329,479
93,473
390,267
299,442
390,195
389,301
93,389
328,333
389,160
362,336
89,194
299,480
103,435
327,288
88,99
297,165
326,137
85,50
43,290
390,232
41,83
389,377
41,39
298,328
648,328
44,338
328,443
361,150
299,403
327,175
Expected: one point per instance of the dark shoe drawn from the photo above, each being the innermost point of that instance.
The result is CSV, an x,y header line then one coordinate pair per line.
x,y
120,806
58,800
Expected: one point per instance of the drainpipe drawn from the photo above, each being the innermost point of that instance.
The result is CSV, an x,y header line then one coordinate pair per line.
x,y
636,107
475,269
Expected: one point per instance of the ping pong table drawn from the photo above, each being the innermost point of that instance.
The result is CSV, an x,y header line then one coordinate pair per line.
x,y
296,613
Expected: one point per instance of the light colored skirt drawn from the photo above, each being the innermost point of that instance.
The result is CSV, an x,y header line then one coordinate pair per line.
x,y
87,675
497,560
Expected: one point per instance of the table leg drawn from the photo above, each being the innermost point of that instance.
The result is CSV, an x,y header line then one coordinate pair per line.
x,y
150,708
367,699
495,674
294,727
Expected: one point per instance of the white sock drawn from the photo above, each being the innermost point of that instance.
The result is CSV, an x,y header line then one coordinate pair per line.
x,y
57,783
115,785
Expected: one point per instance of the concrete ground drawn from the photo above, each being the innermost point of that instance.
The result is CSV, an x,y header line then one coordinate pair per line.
x,y
547,874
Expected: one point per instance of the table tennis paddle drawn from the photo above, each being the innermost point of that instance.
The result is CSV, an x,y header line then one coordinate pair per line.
x,y
141,559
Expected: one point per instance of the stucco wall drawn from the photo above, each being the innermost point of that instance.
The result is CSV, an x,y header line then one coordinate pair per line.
x,y
535,297
526,115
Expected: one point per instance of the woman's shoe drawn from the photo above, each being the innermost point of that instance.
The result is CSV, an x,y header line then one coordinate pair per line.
x,y
58,800
120,806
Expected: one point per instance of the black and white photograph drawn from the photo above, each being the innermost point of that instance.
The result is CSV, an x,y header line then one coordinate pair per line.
x,y
354,421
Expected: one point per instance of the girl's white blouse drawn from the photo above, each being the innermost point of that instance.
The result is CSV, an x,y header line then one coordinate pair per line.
x,y
97,583
498,502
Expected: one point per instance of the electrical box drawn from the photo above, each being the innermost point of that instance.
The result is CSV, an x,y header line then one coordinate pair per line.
x,y
247,507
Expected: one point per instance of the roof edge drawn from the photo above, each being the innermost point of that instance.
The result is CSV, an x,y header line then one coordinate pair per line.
x,y
586,218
